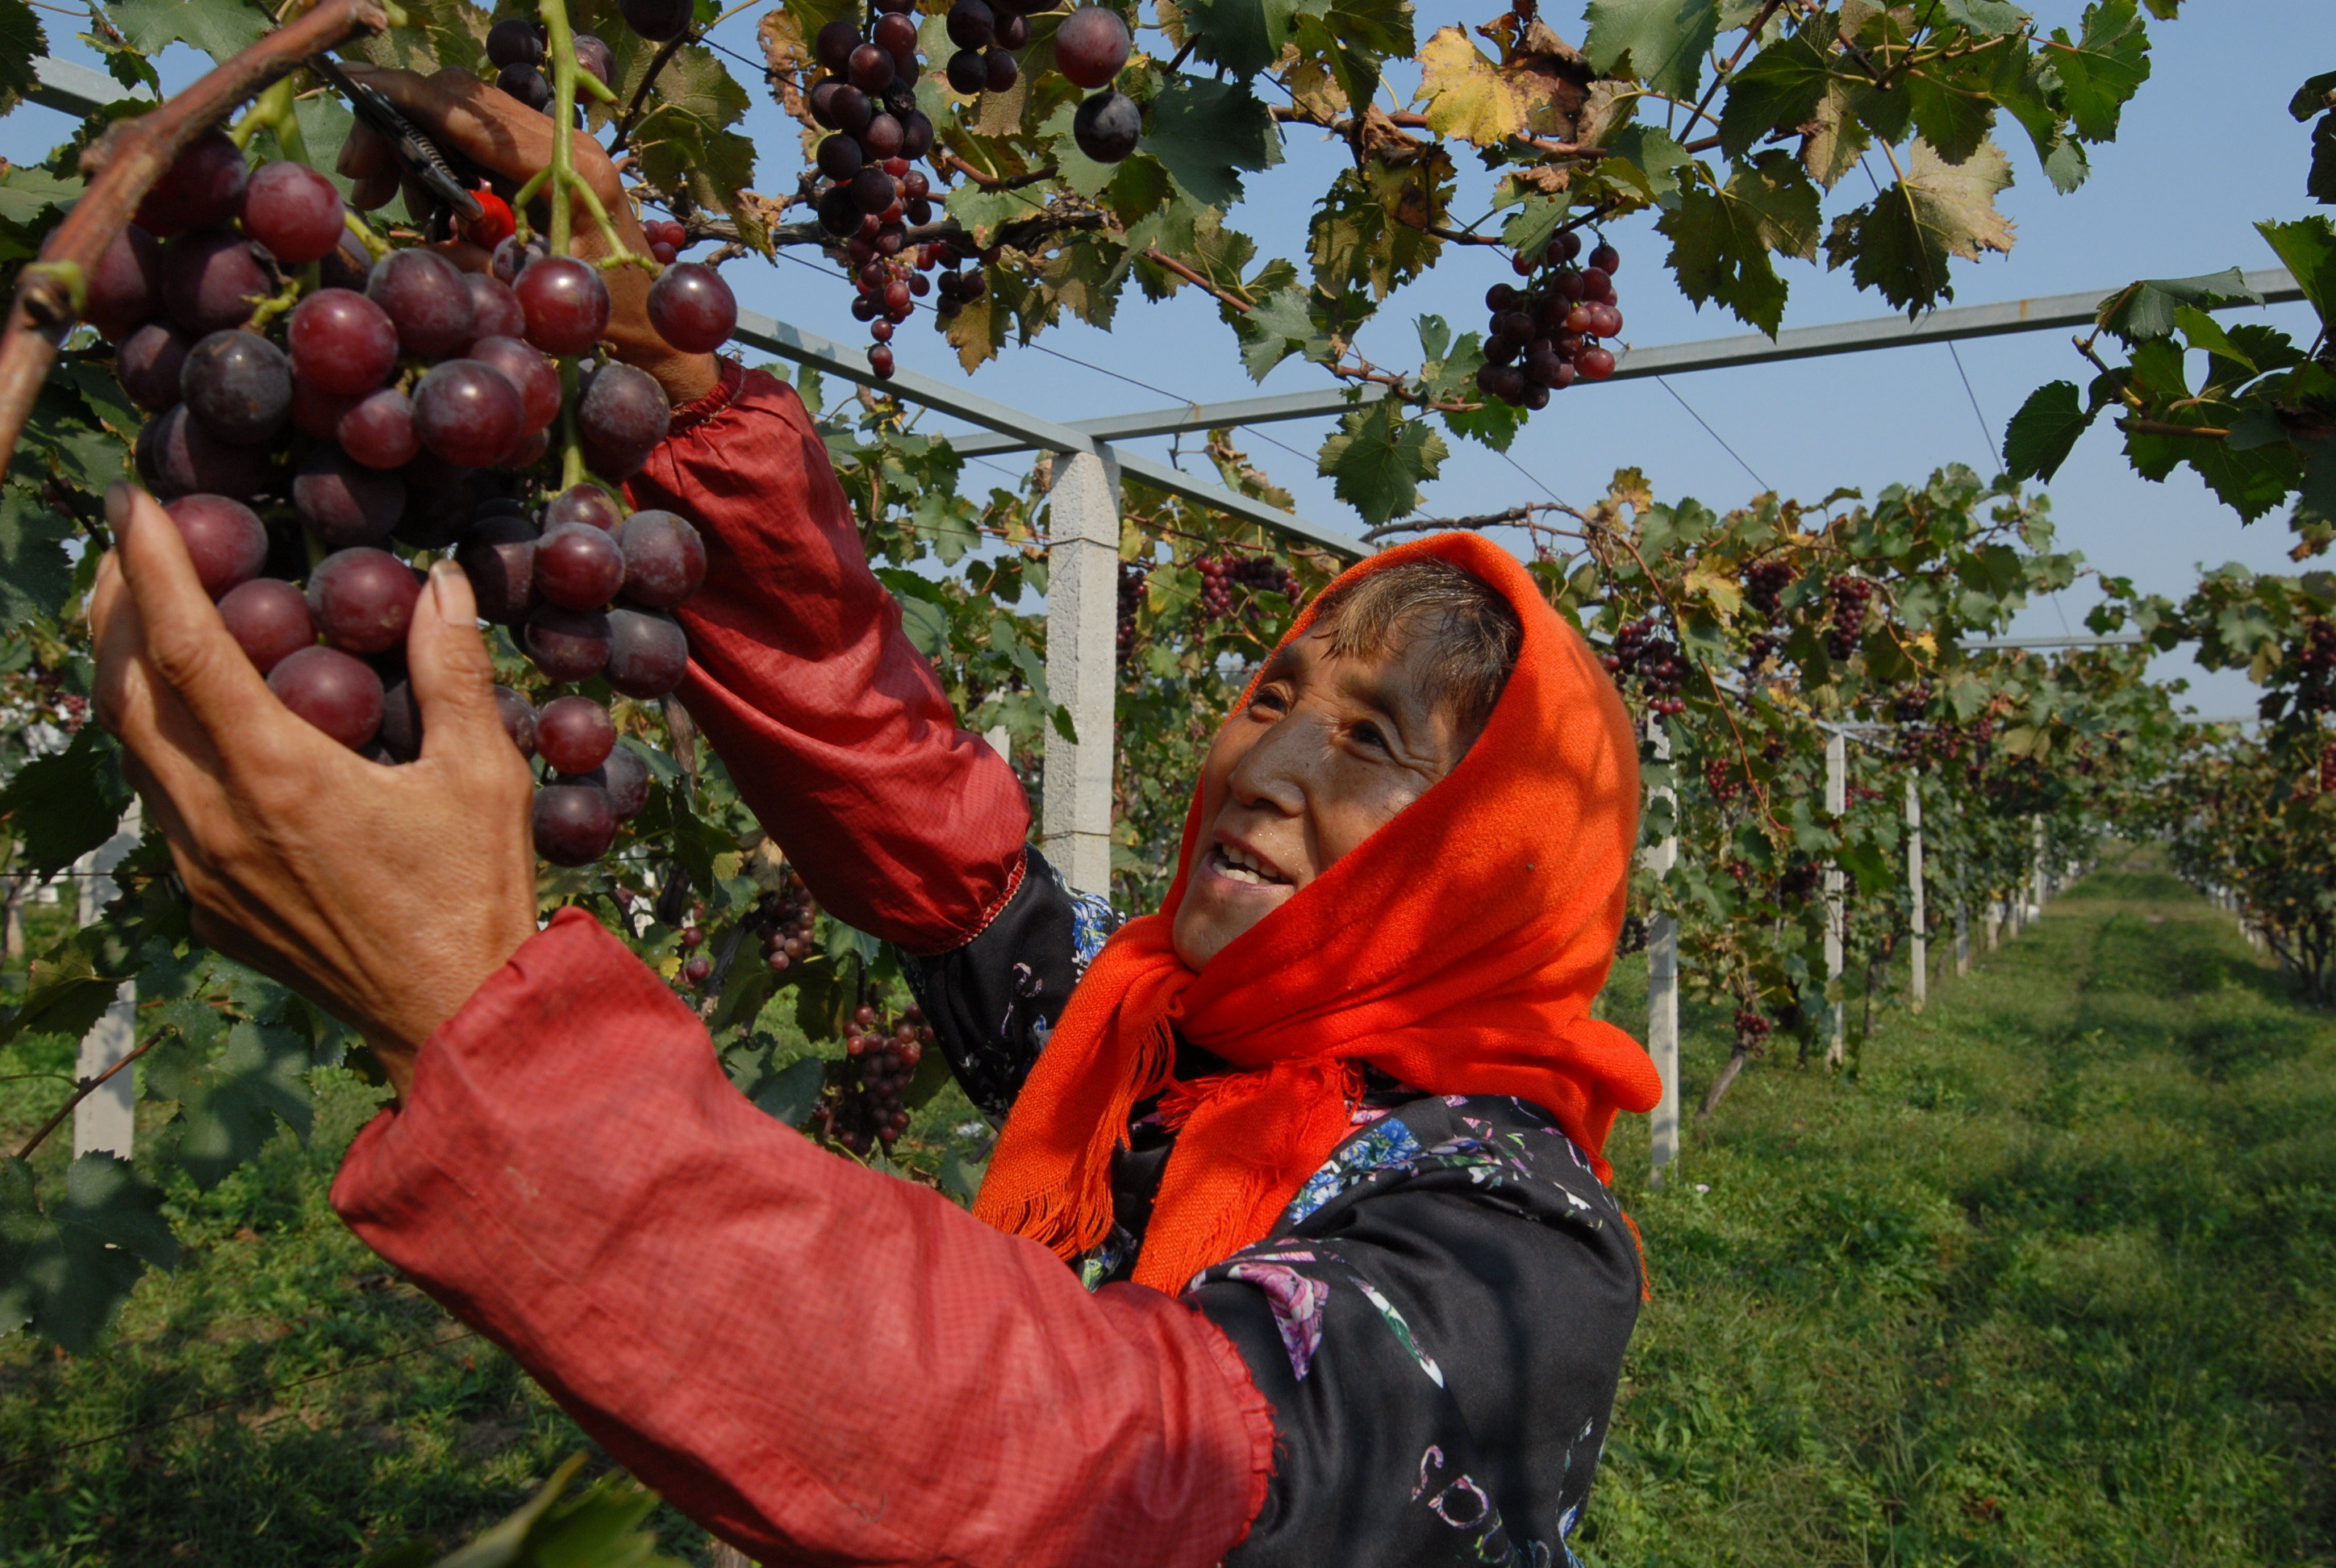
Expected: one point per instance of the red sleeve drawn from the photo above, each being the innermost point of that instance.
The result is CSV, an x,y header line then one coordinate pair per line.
x,y
833,727
819,1363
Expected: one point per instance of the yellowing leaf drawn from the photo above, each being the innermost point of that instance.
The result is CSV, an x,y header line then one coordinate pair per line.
x,y
1720,590
1466,95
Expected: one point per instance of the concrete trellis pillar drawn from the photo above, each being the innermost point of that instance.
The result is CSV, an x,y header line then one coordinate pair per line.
x,y
1662,986
2043,878
1082,667
1921,954
1838,804
1962,941
107,1119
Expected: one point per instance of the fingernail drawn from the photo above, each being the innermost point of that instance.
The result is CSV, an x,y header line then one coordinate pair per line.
x,y
443,574
117,504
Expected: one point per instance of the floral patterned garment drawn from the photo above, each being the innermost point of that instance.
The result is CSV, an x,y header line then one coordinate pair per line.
x,y
1438,1319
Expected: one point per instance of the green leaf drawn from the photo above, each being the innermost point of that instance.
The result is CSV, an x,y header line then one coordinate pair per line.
x,y
1646,157
1720,239
229,1107
1281,325
1779,89
2044,432
1664,42
1990,18
2312,97
1378,460
2103,69
1244,36
2308,246
1541,216
66,804
22,42
1899,243
2145,310
35,572
960,1181
65,1271
1205,131
1369,228
67,988
789,1094
29,194
220,28
1951,109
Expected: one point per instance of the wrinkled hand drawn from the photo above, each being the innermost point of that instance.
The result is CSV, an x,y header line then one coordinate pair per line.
x,y
387,894
496,131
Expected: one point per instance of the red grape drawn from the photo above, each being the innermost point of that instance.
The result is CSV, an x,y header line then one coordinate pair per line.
x,y
294,211
1090,45
622,416
595,55
363,599
574,733
873,67
125,287
882,141
879,360
223,536
1594,363
625,777
835,45
467,412
692,308
147,363
577,567
342,342
201,188
498,555
512,258
536,378
999,71
495,310
566,303
210,281
665,559
1107,126
343,502
269,620
648,652
1606,258
572,823
378,431
897,34
663,254
238,385
970,24
513,41
917,134
177,456
338,693
567,644
316,413
426,299
400,723
584,502
519,719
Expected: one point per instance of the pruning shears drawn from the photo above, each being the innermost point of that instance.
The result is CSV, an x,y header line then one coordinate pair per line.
x,y
414,150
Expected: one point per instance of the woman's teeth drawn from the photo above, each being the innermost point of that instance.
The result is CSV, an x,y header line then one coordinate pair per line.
x,y
1235,866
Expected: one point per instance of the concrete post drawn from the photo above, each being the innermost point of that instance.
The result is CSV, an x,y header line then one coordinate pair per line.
x,y
1836,805
1963,940
1662,987
1082,667
1921,968
108,1119
2043,878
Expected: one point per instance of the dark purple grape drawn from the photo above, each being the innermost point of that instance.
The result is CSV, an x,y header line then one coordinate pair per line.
x,y
400,723
999,70
573,825
838,213
577,567
895,33
873,67
527,84
467,412
498,555
342,342
648,652
494,310
512,257
595,55
338,693
574,733
519,719
839,156
872,190
295,211
692,308
567,305
530,450
586,503
125,287
269,620
200,189
1091,46
1012,32
622,416
968,74
626,779
426,299
567,644
513,41
970,24
665,559
363,599
835,45
210,281
1606,258
656,20
239,384
318,415
148,364
536,378
177,456
224,537
378,430
346,503
1107,125
882,139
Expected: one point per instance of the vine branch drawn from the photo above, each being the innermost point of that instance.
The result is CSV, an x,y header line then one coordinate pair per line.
x,y
88,1088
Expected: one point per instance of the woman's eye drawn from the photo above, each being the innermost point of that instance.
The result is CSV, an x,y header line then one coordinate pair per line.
x,y
1368,734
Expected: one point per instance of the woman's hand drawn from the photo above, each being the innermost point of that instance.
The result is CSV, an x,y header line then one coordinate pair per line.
x,y
507,139
387,894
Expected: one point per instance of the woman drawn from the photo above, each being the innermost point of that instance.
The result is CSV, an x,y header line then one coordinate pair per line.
x,y
1320,1140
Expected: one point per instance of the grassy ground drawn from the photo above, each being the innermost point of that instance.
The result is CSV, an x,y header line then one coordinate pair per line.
x,y
2053,1283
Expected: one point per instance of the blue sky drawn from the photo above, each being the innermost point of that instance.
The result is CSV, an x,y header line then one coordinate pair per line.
x,y
2207,149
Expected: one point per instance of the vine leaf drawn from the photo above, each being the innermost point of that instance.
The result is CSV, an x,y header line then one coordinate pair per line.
x,y
794,1090
1782,88
35,572
220,28
65,1271
1244,36
67,989
1991,18
1720,239
2098,72
1281,325
438,34
2146,310
22,42
1466,94
1205,132
66,804
1371,228
1663,41
1898,244
1376,459
2044,432
2308,246
229,1106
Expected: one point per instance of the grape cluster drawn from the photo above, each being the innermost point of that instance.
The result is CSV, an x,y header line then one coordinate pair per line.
x,y
1640,652
782,922
1911,705
1132,579
2315,661
516,49
1851,596
1721,780
1765,582
394,409
1799,878
866,1108
1752,1027
2328,768
1220,574
1545,334
1759,652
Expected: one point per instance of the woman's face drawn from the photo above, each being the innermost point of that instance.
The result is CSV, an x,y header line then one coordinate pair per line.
x,y
1328,750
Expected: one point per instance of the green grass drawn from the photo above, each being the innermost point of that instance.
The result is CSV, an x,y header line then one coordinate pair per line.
x,y
2053,1281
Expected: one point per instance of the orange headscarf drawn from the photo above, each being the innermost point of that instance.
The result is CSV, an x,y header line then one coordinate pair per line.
x,y
1457,949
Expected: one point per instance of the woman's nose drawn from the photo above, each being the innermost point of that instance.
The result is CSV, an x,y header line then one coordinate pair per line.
x,y
1272,772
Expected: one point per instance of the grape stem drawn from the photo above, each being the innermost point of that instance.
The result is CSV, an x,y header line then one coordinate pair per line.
x,y
84,1090
122,166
